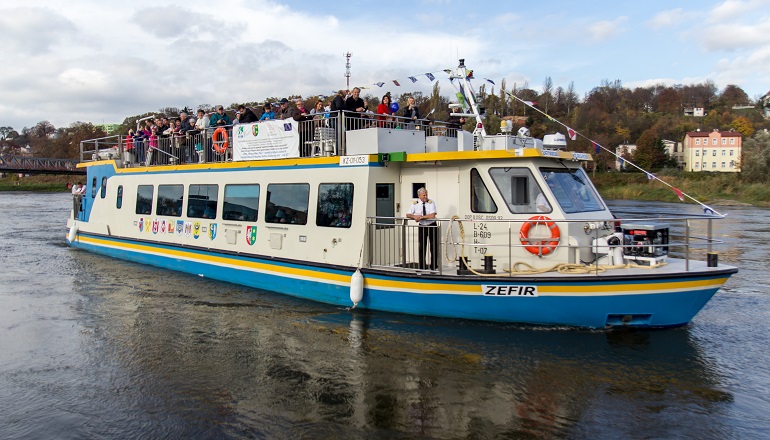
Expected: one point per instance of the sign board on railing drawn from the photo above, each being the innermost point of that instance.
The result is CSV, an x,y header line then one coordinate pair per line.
x,y
266,140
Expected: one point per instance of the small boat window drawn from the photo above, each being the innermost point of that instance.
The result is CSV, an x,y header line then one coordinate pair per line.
x,y
144,199
518,188
241,203
93,188
287,203
481,199
335,204
170,199
202,201
572,189
119,201
104,187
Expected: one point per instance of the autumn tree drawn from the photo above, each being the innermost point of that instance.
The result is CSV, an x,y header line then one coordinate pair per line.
x,y
650,151
755,158
743,126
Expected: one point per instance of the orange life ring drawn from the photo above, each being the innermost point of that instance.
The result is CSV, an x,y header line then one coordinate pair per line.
x,y
544,247
220,143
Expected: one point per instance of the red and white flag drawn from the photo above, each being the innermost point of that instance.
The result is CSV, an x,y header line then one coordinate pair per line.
x,y
572,133
679,193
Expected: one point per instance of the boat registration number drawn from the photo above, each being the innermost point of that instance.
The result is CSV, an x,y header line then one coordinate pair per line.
x,y
509,290
362,159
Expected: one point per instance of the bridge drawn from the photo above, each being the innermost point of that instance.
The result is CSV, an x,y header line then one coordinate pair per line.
x,y
34,165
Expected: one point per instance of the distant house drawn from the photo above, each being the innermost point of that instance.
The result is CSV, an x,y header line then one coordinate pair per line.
x,y
623,151
694,111
108,128
716,151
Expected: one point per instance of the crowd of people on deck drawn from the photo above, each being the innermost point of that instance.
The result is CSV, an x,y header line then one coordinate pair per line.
x,y
160,130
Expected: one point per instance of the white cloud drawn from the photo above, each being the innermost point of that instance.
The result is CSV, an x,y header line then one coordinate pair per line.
x,y
605,29
666,19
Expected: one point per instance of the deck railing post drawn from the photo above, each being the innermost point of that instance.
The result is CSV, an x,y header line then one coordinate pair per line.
x,y
403,242
687,245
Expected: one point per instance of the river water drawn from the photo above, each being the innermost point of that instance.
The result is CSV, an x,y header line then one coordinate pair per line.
x,y
92,347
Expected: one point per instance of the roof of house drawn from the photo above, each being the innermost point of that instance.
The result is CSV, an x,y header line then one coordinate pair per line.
x,y
707,133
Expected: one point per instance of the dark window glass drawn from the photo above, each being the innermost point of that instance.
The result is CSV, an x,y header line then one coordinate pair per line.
x,y
572,189
93,188
335,204
287,203
104,187
241,203
119,201
202,201
170,199
481,200
144,199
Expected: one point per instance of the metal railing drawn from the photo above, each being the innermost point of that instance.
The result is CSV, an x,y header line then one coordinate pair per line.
x,y
321,135
393,242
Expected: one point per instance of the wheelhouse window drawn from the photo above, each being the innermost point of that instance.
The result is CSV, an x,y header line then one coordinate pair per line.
x,y
144,199
103,193
518,188
93,188
241,203
202,201
335,205
170,199
287,203
481,199
572,190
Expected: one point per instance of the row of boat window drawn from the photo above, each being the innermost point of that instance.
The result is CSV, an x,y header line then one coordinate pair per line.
x,y
285,202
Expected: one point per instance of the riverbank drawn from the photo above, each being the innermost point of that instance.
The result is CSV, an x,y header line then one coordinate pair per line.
x,y
723,189
41,183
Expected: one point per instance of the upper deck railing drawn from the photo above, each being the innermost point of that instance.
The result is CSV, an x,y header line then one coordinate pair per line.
x,y
324,135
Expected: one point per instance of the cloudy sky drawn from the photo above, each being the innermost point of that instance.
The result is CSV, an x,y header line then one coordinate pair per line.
x,y
100,61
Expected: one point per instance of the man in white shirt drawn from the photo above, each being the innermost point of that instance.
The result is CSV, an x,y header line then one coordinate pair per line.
x,y
423,211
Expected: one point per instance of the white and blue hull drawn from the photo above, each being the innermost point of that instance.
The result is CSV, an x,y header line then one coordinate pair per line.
x,y
594,301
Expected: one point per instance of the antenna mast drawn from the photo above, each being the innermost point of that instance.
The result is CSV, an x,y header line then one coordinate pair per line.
x,y
347,69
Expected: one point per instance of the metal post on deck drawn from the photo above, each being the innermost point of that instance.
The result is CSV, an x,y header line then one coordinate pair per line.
x,y
687,245
403,242
709,235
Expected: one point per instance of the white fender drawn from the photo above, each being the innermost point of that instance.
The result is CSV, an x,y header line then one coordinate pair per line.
x,y
73,232
356,287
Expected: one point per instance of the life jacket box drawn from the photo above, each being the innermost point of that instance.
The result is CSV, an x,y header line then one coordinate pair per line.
x,y
647,240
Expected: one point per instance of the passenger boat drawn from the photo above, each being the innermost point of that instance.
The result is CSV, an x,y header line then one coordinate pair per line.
x,y
317,209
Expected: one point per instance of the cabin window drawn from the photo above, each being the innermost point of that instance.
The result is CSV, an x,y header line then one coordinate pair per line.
x,y
241,203
144,199
287,203
202,201
104,188
481,199
170,199
335,205
119,201
518,188
572,189
93,188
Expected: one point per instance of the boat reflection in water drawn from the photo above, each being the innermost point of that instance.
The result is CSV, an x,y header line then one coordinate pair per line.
x,y
257,364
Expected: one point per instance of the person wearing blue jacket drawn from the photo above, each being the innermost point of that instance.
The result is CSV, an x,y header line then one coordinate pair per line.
x,y
268,114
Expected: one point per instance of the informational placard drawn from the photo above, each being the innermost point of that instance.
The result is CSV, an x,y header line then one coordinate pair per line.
x,y
266,140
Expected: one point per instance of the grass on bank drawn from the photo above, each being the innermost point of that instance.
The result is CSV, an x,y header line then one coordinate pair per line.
x,y
39,183
716,188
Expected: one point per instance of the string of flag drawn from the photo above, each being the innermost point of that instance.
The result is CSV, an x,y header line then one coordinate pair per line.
x,y
429,75
573,135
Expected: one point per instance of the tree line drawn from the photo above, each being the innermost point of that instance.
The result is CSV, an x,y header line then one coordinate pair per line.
x,y
609,114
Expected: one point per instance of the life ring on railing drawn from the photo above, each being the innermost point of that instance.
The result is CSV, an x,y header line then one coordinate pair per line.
x,y
544,247
220,140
